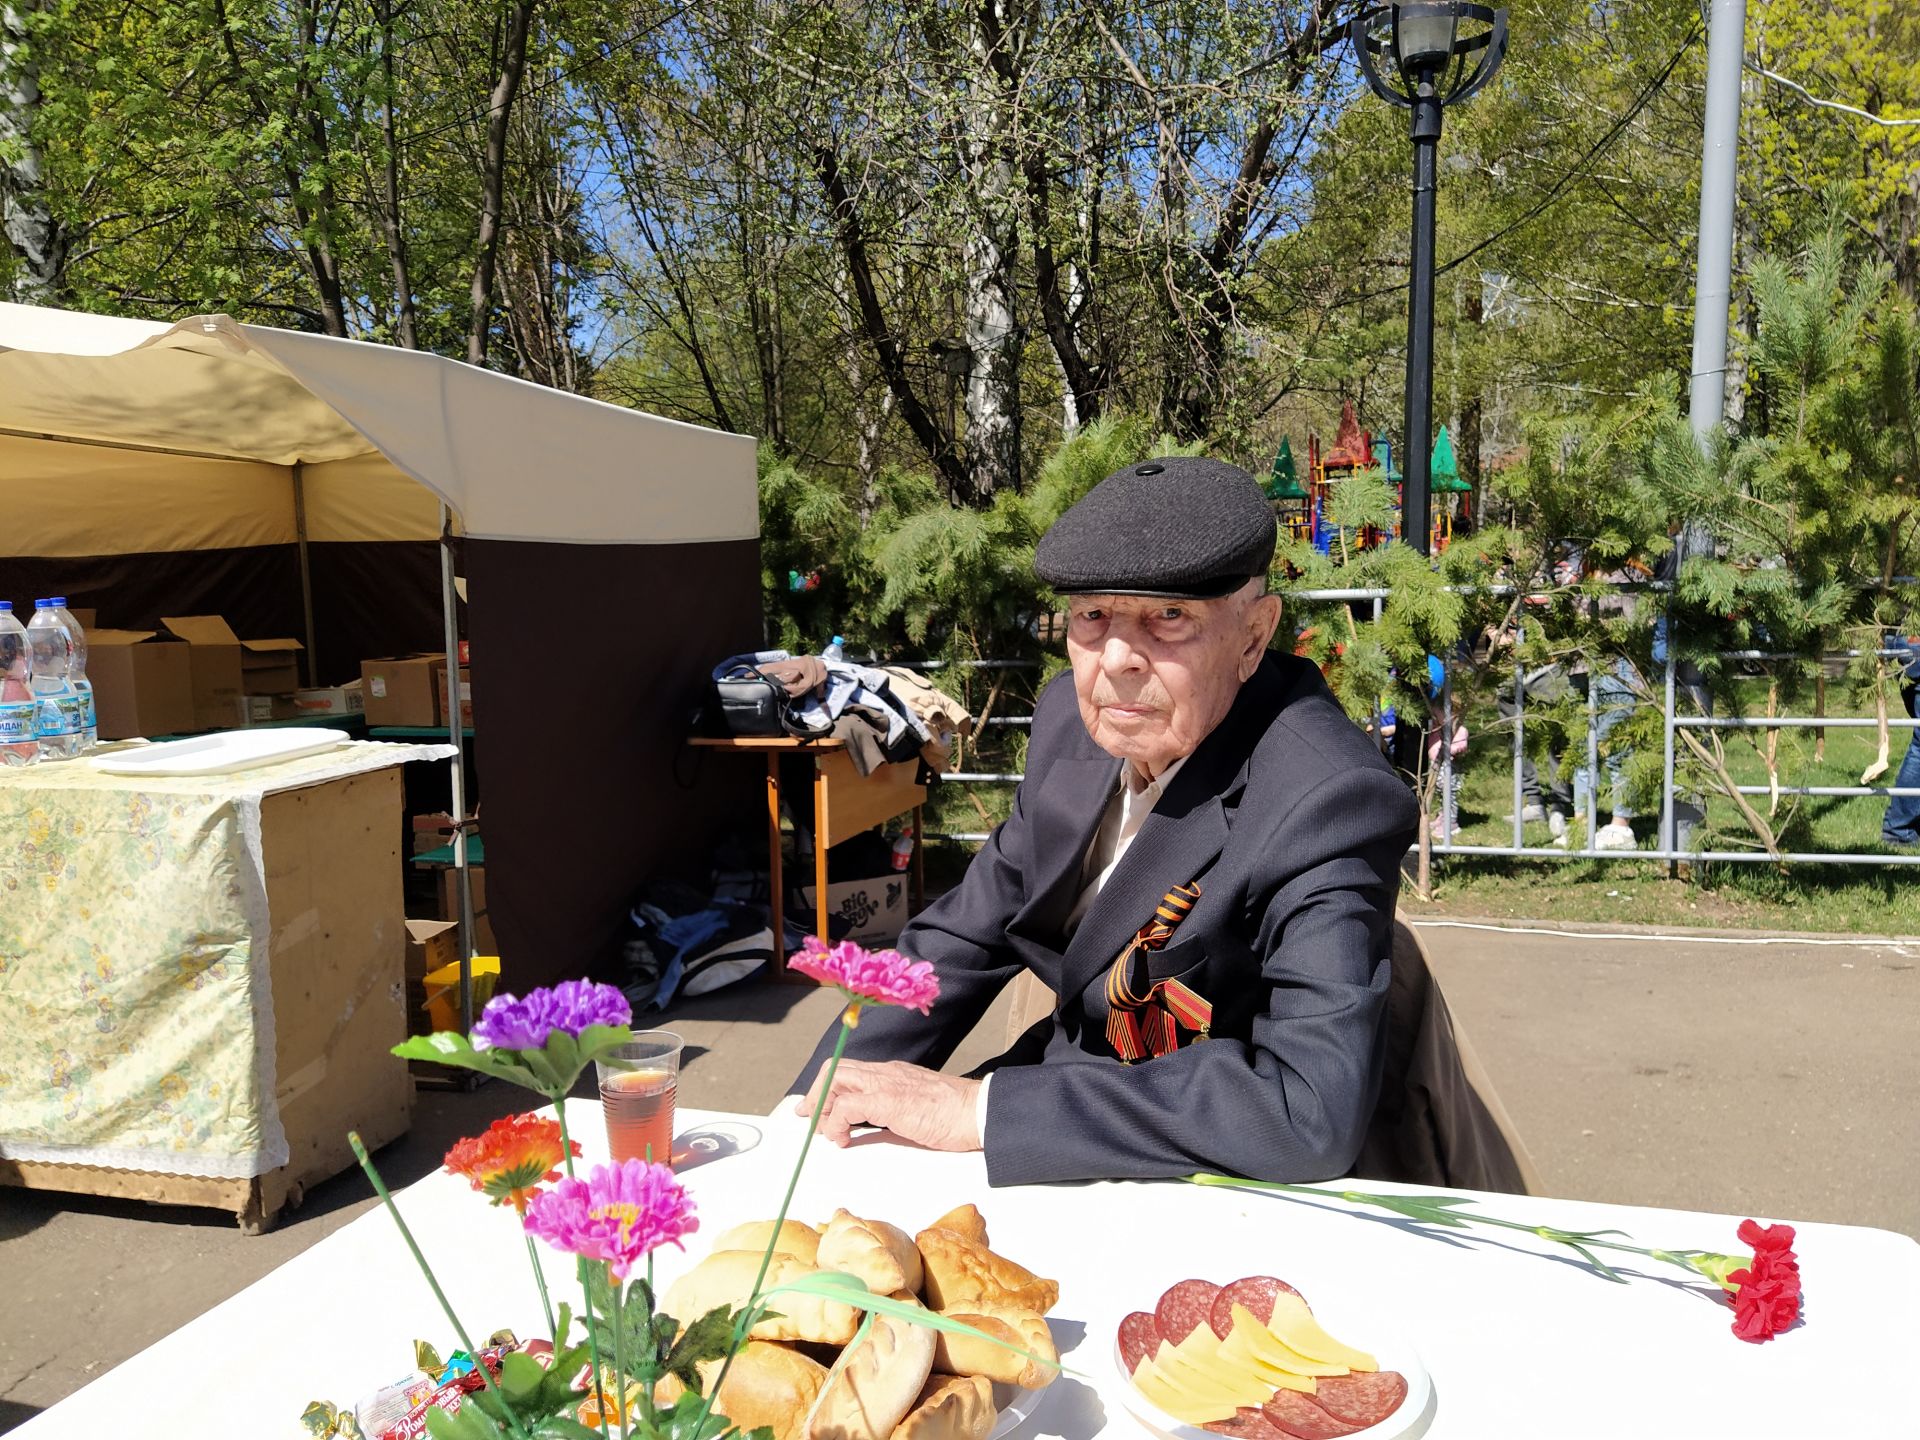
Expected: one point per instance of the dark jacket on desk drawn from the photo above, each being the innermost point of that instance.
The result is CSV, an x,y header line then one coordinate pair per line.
x,y
1293,827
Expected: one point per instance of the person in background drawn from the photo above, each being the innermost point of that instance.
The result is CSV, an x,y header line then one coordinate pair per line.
x,y
1901,825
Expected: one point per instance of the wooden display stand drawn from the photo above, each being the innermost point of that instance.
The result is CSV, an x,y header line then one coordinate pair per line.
x,y
845,802
332,856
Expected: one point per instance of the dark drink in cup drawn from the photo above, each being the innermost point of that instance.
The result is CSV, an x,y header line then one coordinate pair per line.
x,y
639,1111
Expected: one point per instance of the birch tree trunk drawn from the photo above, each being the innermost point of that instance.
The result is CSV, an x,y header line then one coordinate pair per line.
x,y
513,63
39,242
992,329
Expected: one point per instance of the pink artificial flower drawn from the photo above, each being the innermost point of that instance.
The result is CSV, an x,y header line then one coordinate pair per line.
x,y
868,977
620,1213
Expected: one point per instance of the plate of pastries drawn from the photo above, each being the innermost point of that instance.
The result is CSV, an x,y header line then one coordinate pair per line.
x,y
808,1373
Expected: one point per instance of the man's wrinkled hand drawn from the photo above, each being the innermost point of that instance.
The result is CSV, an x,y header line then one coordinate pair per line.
x,y
916,1104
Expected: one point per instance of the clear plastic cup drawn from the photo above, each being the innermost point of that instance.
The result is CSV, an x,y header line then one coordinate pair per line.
x,y
638,1083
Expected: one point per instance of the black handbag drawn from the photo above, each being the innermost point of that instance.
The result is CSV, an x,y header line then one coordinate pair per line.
x,y
749,705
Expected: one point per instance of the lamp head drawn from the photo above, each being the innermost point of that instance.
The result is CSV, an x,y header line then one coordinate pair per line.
x,y
1439,49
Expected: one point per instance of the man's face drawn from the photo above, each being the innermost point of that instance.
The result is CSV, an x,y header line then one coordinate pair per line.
x,y
1154,676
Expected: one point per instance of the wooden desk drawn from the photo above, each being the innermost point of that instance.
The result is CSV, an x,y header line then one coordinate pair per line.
x,y
845,802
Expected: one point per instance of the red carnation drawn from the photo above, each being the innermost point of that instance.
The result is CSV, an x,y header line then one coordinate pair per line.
x,y
1766,1294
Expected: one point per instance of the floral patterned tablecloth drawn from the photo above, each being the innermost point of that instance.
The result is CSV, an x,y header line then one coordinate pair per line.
x,y
136,1004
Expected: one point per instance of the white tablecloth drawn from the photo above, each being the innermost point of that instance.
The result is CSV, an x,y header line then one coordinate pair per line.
x,y
1520,1339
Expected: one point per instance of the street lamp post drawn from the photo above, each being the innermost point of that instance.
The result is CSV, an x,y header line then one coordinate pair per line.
x,y
1436,65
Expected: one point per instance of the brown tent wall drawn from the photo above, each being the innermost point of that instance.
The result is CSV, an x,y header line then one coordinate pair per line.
x,y
588,661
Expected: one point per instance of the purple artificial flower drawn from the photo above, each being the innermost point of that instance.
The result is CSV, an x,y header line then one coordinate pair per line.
x,y
620,1213
524,1022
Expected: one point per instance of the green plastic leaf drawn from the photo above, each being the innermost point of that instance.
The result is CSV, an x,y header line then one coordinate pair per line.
x,y
449,1047
469,1422
707,1338
563,1427
557,1395
681,1420
848,1290
520,1377
562,1325
551,1070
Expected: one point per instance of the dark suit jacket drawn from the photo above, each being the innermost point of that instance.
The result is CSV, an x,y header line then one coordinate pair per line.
x,y
1294,828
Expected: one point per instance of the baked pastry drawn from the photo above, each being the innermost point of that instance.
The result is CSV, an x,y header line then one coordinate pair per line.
x,y
874,1385
968,1355
950,1407
964,1220
959,1270
767,1384
726,1278
800,1241
879,1254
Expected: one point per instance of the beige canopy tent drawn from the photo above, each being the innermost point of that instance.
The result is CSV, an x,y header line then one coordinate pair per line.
x,y
138,454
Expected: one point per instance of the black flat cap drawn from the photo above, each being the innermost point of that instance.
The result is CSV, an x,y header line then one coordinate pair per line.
x,y
1184,527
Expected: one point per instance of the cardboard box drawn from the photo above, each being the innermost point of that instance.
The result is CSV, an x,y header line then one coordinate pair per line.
x,y
270,667
483,943
214,654
142,683
875,909
443,696
341,700
259,710
401,690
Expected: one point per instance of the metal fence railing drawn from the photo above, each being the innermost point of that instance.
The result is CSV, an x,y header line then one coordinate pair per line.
x,y
1672,723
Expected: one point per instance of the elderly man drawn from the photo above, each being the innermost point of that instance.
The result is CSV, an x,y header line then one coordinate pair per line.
x,y
1201,864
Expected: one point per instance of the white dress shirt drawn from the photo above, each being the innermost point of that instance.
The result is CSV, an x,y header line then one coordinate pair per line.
x,y
1133,800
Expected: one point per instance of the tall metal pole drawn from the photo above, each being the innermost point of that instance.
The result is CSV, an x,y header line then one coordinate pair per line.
x,y
1415,526
1713,285
457,738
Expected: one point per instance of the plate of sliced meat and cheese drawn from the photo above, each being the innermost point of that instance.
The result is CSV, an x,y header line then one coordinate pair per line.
x,y
1252,1360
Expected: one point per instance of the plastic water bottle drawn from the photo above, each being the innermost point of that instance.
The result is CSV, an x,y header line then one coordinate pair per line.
x,y
903,849
59,717
833,650
19,744
77,674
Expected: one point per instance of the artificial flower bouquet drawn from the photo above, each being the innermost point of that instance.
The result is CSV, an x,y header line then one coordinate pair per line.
x,y
600,1382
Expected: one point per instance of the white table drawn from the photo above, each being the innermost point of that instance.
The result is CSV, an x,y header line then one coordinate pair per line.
x,y
1520,1340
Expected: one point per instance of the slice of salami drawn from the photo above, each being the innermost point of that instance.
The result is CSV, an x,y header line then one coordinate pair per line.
x,y
1303,1418
1246,1424
1184,1309
1256,1292
1363,1398
1139,1336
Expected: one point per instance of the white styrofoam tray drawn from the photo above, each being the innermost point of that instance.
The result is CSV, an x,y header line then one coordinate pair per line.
x,y
223,753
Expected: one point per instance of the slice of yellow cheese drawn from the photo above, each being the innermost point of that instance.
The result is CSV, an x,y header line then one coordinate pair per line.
x,y
1198,1365
1294,1326
1239,1349
1266,1347
1170,1395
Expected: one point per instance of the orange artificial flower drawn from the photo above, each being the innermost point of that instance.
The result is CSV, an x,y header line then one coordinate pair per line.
x,y
512,1159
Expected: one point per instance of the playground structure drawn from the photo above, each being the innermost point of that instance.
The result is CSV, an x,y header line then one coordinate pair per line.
x,y
1306,512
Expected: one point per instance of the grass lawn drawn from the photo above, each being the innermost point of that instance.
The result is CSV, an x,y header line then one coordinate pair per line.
x,y
1858,899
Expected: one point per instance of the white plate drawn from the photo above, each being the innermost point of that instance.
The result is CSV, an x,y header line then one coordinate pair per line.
x,y
1358,1326
1016,1407
221,754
